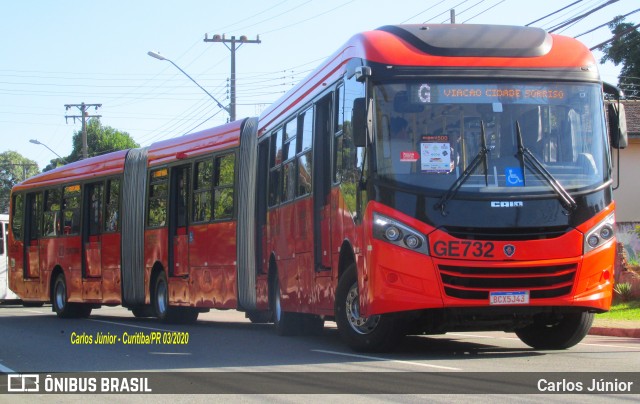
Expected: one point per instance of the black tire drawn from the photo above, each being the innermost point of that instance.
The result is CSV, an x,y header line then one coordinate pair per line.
x,y
143,311
166,313
286,323
259,317
183,315
33,304
556,334
365,334
160,298
61,306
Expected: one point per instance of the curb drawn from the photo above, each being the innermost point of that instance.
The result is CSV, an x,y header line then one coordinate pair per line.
x,y
615,332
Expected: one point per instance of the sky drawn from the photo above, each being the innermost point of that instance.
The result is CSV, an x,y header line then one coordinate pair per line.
x,y
61,52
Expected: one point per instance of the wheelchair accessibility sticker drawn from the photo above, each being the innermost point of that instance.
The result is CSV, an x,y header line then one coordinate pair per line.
x,y
513,177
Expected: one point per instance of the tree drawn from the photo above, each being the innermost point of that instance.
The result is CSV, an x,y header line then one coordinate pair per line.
x,y
625,50
100,140
14,168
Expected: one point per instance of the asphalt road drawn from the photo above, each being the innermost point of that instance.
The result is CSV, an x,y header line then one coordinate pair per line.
x,y
34,340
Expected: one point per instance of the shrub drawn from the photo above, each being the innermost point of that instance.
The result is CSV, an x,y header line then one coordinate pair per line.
x,y
624,291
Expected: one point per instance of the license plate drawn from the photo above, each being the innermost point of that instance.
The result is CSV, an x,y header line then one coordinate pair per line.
x,y
515,297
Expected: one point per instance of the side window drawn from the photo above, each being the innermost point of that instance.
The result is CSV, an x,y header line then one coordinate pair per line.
x,y
223,190
71,210
202,183
351,155
112,203
2,233
17,218
275,168
95,207
34,210
51,216
289,166
304,154
158,191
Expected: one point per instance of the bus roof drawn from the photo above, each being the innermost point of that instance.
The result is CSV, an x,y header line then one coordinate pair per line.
x,y
452,45
165,151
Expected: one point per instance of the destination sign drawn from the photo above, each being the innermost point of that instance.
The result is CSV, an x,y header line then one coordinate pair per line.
x,y
490,93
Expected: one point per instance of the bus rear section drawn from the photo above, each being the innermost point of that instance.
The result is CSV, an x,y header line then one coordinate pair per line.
x,y
5,292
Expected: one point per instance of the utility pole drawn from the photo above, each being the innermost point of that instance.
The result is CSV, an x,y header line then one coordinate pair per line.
x,y
452,12
84,115
235,44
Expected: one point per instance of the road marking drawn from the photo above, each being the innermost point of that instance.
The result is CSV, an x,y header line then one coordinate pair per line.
x,y
478,336
130,325
170,353
611,346
376,358
5,369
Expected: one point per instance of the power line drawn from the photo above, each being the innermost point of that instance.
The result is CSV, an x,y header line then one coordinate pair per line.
x,y
606,23
555,12
582,16
483,11
626,31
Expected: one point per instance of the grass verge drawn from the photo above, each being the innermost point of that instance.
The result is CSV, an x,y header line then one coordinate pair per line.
x,y
623,311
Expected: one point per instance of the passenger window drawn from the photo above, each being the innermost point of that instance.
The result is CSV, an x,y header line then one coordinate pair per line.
x,y
203,180
17,222
95,208
223,191
113,206
71,210
158,191
51,216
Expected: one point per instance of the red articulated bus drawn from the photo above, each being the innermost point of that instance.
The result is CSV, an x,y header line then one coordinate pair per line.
x,y
423,179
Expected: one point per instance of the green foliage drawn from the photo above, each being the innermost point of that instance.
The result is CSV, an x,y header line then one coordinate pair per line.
x,y
14,168
100,140
625,50
624,291
623,311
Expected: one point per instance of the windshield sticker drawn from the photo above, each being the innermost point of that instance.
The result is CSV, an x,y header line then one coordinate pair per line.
x,y
409,156
435,157
513,177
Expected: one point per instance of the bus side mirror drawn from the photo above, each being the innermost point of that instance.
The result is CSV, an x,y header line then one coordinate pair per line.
x,y
359,122
617,119
617,125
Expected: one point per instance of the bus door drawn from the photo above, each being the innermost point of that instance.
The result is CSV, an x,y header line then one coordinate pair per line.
x,y
322,227
91,230
33,230
322,187
178,219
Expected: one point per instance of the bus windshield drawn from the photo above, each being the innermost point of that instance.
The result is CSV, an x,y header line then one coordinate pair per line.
x,y
428,132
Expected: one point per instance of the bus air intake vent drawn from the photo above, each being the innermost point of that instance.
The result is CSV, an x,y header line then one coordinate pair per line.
x,y
475,283
506,234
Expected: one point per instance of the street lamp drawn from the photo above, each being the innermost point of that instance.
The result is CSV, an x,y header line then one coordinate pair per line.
x,y
35,141
160,57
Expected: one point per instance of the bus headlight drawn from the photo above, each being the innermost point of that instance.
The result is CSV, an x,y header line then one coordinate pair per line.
x,y
600,233
394,232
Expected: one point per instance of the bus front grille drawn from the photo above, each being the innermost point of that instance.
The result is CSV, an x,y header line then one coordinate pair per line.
x,y
476,282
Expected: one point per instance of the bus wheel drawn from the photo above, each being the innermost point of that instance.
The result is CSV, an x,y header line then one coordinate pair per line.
x,y
560,333
33,304
373,333
259,317
62,307
286,323
142,311
161,297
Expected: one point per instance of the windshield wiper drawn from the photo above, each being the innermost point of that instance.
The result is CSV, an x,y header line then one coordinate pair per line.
x,y
564,197
480,157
